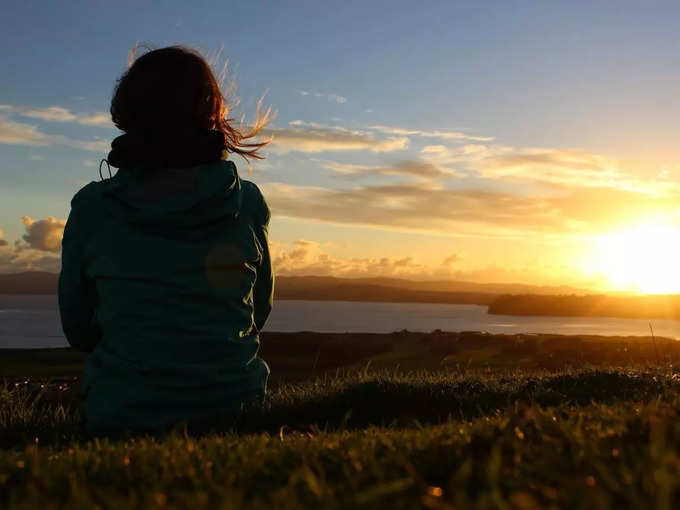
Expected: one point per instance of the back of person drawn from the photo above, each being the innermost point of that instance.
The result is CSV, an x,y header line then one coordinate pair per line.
x,y
166,280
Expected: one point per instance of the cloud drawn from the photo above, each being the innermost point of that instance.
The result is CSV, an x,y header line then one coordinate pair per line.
x,y
331,97
306,258
553,165
39,249
311,137
437,133
60,114
570,167
469,152
43,235
19,133
83,145
416,169
451,259
430,208
15,261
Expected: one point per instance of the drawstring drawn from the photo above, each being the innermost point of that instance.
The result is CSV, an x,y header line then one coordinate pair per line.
x,y
100,168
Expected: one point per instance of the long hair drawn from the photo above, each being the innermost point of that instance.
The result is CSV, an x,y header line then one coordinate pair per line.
x,y
173,90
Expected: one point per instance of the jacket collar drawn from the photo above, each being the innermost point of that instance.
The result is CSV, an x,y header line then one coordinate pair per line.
x,y
166,150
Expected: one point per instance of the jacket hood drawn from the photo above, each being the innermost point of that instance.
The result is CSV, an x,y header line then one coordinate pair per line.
x,y
175,198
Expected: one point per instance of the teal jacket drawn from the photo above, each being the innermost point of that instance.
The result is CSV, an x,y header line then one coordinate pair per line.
x,y
168,296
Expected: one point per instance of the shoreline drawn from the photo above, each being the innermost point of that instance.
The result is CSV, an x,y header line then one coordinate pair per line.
x,y
305,355
643,307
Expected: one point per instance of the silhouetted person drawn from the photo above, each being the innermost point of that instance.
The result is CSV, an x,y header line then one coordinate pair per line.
x,y
166,277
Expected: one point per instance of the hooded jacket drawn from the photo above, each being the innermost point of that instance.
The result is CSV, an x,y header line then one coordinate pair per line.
x,y
166,280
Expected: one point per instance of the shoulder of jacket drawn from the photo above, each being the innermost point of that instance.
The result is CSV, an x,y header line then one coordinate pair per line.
x,y
255,202
250,187
86,194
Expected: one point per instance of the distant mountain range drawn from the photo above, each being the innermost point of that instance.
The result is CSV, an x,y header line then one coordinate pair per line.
x,y
292,285
595,305
31,282
502,298
327,288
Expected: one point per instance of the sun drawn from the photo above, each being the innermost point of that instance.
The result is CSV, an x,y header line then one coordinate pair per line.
x,y
643,258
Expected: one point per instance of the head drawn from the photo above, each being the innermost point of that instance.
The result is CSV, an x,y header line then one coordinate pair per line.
x,y
170,91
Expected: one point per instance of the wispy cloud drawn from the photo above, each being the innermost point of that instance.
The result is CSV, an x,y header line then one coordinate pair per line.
x,y
312,137
331,97
436,133
451,259
574,167
409,168
20,133
554,165
430,208
59,114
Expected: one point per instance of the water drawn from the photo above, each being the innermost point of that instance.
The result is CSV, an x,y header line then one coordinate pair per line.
x,y
33,321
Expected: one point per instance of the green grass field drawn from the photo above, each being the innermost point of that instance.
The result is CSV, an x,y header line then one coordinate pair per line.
x,y
483,425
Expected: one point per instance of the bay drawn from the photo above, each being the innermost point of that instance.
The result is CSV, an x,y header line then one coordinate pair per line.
x,y
32,321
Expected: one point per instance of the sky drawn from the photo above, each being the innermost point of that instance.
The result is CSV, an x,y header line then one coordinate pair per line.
x,y
511,141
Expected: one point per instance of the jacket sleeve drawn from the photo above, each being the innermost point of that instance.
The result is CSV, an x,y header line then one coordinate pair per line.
x,y
77,292
263,292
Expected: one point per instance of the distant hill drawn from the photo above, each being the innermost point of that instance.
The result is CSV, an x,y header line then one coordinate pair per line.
x,y
30,282
292,283
600,305
502,298
335,289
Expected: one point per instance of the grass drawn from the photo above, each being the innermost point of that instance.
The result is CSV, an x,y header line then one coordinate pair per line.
x,y
572,439
465,434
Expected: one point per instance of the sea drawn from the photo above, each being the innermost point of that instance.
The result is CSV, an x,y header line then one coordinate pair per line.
x,y
32,321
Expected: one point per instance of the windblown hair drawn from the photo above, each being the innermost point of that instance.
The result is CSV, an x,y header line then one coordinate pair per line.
x,y
173,90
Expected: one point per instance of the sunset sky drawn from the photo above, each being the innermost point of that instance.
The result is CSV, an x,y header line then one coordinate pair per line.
x,y
532,142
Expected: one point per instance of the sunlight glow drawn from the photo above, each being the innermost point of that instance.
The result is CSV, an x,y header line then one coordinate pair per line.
x,y
643,258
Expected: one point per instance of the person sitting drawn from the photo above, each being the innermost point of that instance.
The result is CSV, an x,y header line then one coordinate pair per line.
x,y
166,276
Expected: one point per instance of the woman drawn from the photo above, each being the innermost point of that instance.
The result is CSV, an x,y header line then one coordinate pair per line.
x,y
166,277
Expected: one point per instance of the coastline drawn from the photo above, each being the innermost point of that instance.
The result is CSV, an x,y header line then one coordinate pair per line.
x,y
305,355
